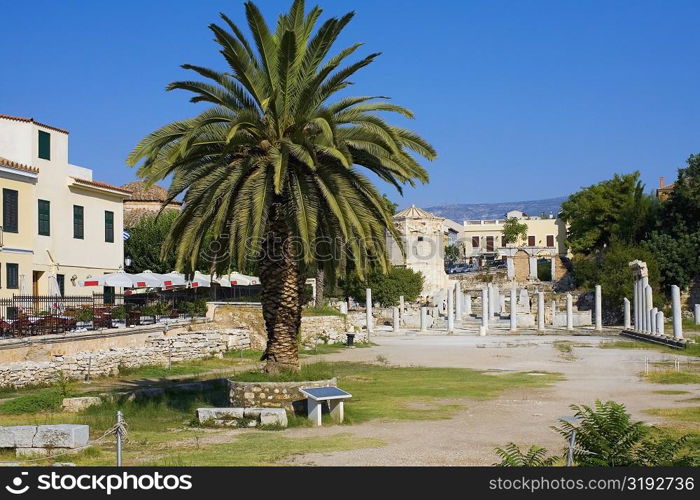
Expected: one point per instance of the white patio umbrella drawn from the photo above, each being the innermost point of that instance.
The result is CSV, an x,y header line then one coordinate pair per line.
x,y
148,279
200,280
120,279
173,279
235,279
254,280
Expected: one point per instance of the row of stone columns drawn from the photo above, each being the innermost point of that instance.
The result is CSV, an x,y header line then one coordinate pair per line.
x,y
647,318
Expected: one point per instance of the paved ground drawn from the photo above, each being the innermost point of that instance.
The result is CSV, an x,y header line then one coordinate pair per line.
x,y
520,415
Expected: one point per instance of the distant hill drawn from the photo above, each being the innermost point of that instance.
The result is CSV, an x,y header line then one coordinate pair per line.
x,y
473,211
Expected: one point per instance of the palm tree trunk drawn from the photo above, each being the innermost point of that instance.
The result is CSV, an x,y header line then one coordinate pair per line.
x,y
320,278
281,296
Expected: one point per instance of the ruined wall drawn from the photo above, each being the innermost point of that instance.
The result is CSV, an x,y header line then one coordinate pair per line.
x,y
157,350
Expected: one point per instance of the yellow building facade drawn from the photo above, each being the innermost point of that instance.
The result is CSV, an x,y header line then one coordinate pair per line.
x,y
56,218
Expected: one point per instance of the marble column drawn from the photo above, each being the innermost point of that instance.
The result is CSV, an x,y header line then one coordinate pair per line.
x,y
569,312
645,304
598,308
533,268
450,311
468,304
368,309
648,305
510,267
493,299
553,264
676,306
697,314
628,319
401,307
652,321
458,301
485,307
637,325
513,309
660,322
540,311
397,319
554,311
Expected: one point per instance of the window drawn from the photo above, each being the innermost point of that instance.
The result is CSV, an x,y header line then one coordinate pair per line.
x,y
489,244
78,222
44,218
503,241
109,226
531,241
108,295
10,213
550,240
44,145
12,275
61,279
475,242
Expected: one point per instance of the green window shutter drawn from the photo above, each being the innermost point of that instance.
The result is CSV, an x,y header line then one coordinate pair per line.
x,y
109,226
12,273
44,145
10,210
78,222
44,218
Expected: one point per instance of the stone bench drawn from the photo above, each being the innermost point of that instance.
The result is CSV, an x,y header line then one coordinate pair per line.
x,y
43,439
230,417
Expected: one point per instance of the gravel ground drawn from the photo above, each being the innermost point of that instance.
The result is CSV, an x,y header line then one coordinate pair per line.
x,y
522,415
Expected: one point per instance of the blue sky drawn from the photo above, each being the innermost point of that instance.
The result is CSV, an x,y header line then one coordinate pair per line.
x,y
522,99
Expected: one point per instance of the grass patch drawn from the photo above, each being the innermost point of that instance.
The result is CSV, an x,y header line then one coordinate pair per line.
x,y
690,350
314,371
262,448
673,377
331,348
40,400
669,392
689,414
324,310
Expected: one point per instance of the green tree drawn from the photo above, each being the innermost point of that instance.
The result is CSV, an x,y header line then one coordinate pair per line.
x,y
514,230
452,253
274,162
681,212
616,208
145,241
386,287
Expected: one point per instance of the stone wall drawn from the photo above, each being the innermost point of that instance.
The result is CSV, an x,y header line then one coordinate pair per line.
x,y
157,350
273,394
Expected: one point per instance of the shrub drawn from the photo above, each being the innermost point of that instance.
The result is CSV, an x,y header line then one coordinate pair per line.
x,y
512,456
84,314
387,288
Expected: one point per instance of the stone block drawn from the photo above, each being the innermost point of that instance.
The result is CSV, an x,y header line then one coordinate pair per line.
x,y
17,436
273,416
252,412
74,405
206,414
61,436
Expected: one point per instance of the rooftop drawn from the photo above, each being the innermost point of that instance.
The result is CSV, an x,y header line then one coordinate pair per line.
x,y
31,120
4,162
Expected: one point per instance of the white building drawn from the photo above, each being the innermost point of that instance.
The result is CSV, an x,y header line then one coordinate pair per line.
x,y
70,224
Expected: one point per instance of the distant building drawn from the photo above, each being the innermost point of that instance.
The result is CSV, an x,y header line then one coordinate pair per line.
x,y
423,237
55,218
145,200
664,190
483,242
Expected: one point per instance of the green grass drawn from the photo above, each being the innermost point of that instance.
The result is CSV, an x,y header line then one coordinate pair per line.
x,y
314,371
324,310
684,414
670,392
673,377
40,400
331,348
692,349
162,431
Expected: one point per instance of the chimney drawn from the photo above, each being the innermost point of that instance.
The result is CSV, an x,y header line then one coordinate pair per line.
x,y
662,182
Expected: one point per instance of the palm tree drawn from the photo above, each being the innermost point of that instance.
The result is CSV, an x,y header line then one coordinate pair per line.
x,y
272,167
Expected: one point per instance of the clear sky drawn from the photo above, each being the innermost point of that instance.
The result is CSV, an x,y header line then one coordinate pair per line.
x,y
522,99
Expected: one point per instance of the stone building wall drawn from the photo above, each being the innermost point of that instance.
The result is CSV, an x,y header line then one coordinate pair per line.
x,y
273,394
157,350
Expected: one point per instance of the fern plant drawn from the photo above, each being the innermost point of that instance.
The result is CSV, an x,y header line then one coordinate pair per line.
x,y
513,456
605,435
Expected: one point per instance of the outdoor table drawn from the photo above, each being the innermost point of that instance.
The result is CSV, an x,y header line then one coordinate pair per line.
x,y
317,396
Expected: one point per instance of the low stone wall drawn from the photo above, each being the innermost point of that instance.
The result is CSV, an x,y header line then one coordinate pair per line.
x,y
273,394
157,350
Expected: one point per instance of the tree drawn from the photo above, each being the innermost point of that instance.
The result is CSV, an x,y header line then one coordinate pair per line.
x,y
274,162
386,287
514,231
452,253
682,209
616,208
144,244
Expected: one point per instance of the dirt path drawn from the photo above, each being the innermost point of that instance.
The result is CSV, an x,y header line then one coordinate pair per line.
x,y
522,415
